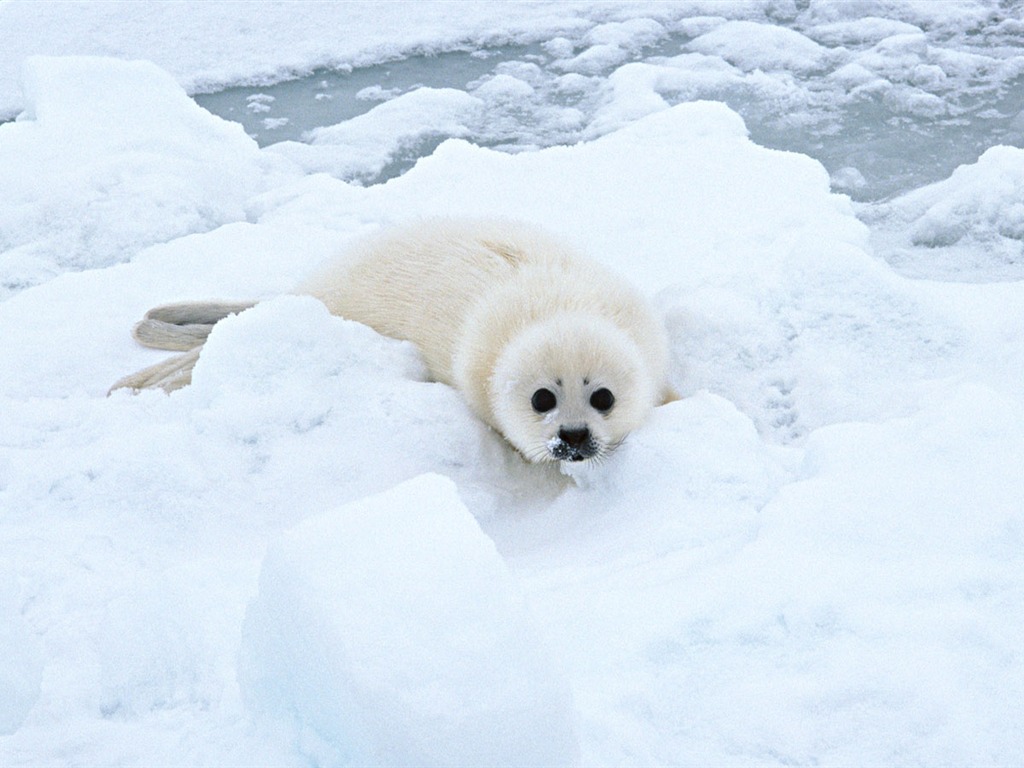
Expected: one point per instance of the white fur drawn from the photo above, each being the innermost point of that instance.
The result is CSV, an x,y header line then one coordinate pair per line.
x,y
498,310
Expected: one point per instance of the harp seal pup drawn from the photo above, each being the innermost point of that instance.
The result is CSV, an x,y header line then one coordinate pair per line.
x,y
552,350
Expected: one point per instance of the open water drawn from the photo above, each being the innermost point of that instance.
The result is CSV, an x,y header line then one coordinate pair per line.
x,y
937,108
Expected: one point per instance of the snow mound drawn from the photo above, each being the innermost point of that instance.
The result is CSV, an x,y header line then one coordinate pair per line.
x,y
708,449
638,89
984,201
819,619
751,46
391,633
943,529
972,222
283,341
362,147
869,29
108,158
612,43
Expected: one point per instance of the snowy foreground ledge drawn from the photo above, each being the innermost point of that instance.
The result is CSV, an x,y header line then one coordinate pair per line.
x,y
391,633
815,557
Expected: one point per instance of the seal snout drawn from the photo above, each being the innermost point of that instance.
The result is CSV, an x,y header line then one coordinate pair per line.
x,y
576,437
574,444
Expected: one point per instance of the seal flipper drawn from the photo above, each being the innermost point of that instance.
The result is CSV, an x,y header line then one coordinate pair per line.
x,y
169,375
182,327
197,312
156,334
185,325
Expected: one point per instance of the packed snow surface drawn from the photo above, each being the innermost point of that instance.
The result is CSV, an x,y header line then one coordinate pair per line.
x,y
467,681
316,556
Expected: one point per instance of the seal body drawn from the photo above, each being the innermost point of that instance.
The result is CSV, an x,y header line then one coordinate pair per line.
x,y
554,351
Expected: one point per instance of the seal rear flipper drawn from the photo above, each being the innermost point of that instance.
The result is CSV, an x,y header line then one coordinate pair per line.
x,y
169,375
185,325
158,334
197,312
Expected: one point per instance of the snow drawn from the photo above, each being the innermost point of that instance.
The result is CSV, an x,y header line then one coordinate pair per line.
x,y
21,668
971,223
980,201
120,159
750,46
611,44
867,30
216,44
362,147
316,556
392,631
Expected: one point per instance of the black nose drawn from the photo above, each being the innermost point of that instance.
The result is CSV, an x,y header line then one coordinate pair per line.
x,y
574,437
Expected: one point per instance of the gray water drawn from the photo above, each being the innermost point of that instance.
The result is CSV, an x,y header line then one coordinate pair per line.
x,y
892,150
287,110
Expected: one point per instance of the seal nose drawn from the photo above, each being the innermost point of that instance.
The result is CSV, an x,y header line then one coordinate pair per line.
x,y
576,438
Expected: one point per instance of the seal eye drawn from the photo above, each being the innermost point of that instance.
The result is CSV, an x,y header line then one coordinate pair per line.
x,y
543,400
602,399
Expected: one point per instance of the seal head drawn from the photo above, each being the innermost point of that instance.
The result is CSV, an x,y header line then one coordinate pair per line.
x,y
570,388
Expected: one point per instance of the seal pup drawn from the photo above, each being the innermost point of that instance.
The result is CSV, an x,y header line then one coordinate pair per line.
x,y
554,351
